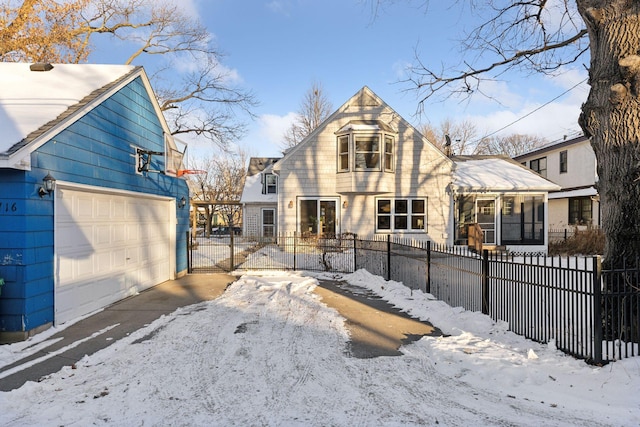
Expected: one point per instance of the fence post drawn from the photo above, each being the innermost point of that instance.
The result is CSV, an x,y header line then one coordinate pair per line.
x,y
355,259
295,242
232,263
598,336
189,254
485,281
388,257
428,285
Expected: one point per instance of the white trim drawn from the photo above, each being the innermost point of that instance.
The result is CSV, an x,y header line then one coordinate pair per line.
x,y
108,190
583,192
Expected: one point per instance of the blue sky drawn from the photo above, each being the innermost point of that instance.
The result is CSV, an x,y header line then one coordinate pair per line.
x,y
277,48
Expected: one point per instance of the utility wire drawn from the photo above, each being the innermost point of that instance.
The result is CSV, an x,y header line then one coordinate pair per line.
x,y
533,111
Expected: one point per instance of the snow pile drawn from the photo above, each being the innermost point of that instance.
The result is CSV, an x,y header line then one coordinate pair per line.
x,y
269,352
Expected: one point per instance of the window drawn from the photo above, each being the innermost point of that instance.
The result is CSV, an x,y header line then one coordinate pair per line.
x,y
318,217
365,146
522,220
367,152
268,222
343,153
539,166
269,184
401,215
580,210
388,153
563,161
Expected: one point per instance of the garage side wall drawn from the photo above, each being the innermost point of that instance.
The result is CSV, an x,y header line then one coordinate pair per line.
x,y
96,150
26,254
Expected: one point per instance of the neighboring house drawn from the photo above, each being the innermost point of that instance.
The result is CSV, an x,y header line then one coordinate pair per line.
x,y
259,198
572,165
115,219
366,170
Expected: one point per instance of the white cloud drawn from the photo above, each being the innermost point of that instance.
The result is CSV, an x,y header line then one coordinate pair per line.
x,y
266,138
552,121
272,127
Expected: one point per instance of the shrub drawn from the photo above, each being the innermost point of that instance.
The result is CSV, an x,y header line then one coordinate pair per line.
x,y
583,242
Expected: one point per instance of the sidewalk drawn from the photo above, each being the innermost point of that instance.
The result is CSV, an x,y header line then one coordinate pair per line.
x,y
100,330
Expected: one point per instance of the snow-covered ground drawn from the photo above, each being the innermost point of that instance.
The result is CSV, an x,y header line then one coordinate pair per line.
x,y
269,352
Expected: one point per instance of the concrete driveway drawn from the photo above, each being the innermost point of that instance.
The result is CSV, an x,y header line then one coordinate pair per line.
x,y
376,328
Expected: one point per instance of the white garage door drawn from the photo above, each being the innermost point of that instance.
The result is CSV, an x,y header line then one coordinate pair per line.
x,y
108,246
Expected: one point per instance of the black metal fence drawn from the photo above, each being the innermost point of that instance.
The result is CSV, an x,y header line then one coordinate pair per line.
x,y
568,301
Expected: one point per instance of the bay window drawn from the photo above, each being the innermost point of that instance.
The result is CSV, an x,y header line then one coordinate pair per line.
x,y
365,146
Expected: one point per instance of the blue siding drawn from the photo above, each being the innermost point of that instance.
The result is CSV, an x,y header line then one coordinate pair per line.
x,y
96,150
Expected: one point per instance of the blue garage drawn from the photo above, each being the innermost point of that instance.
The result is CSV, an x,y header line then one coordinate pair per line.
x,y
91,206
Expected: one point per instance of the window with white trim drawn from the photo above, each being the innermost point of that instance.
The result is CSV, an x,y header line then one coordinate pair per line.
x,y
268,222
365,146
539,166
388,153
367,152
401,215
343,153
269,183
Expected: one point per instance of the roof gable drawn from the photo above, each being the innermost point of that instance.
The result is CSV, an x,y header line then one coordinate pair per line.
x,y
364,99
36,105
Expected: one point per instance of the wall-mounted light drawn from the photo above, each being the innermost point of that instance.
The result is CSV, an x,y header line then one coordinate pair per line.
x,y
290,204
183,202
345,204
49,185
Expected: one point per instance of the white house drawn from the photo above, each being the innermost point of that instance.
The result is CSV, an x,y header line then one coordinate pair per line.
x,y
366,170
259,198
572,165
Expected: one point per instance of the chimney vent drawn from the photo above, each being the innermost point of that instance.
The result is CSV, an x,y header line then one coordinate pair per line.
x,y
41,66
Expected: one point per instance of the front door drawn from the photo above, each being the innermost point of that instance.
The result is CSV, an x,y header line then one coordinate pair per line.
x,y
318,217
486,219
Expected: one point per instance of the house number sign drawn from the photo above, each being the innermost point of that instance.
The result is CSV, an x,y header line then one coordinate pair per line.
x,y
6,207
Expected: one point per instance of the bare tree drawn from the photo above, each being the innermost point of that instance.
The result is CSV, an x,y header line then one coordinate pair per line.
x,y
544,36
510,145
205,102
314,109
464,138
220,183
462,135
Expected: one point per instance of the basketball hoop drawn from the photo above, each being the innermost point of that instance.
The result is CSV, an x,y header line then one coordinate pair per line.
x,y
181,172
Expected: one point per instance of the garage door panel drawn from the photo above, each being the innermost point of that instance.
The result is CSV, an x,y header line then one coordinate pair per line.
x,y
108,246
133,233
119,233
102,234
82,207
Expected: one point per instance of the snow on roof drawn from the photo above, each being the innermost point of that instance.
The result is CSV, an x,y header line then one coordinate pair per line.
x,y
252,191
31,99
496,174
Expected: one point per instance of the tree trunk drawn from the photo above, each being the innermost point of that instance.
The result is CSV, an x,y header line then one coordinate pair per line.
x,y
611,117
